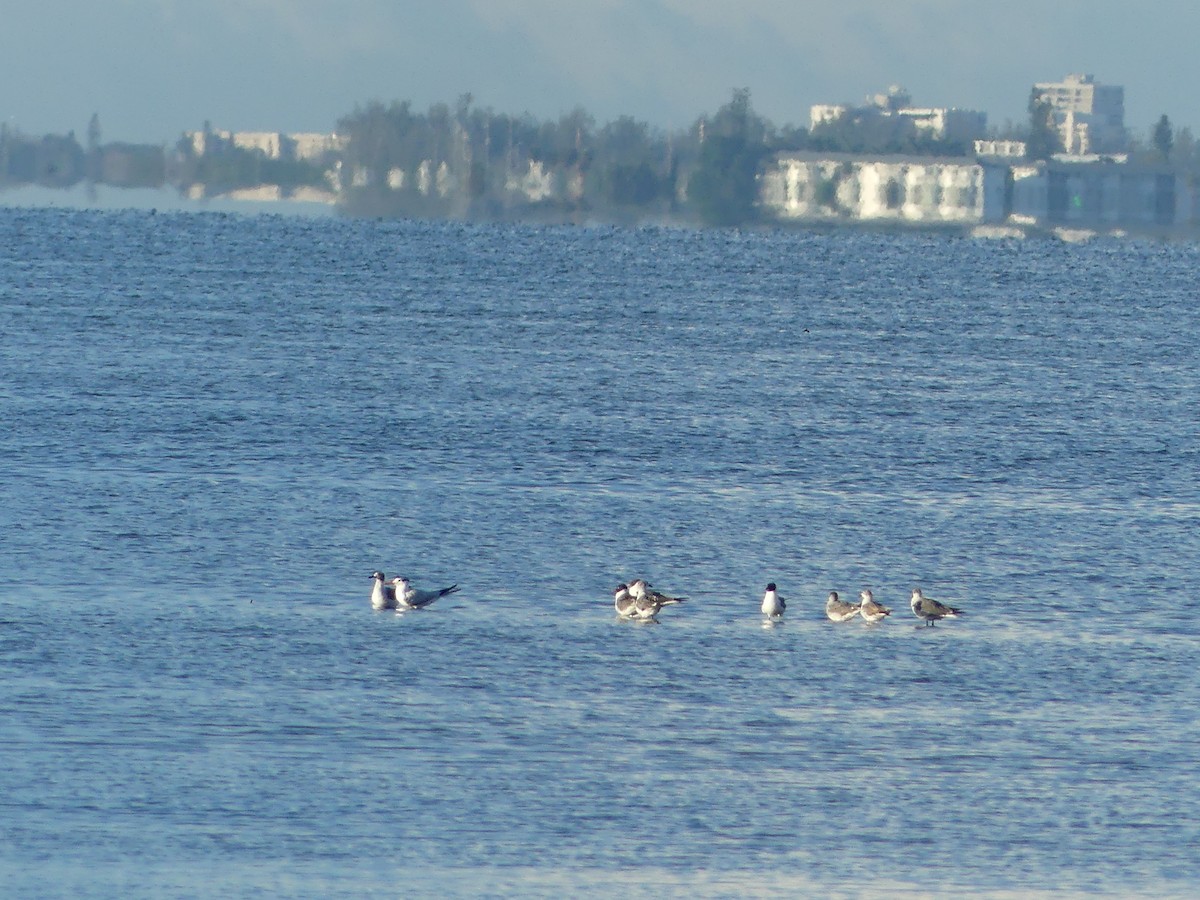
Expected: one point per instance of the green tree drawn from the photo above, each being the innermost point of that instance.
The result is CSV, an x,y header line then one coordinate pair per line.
x,y
791,137
1043,136
1183,149
631,167
1164,137
724,187
60,160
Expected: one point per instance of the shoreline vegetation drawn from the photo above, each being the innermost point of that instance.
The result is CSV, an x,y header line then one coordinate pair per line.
x,y
464,163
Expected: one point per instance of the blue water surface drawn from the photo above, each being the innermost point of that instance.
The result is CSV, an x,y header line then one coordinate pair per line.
x,y
214,427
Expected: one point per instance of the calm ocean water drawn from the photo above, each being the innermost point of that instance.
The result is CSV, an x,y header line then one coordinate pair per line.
x,y
215,427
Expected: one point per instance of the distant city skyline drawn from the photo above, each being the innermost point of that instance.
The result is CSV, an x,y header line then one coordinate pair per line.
x,y
152,69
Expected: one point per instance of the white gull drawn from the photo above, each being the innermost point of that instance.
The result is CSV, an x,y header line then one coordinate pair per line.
x,y
408,597
772,604
383,596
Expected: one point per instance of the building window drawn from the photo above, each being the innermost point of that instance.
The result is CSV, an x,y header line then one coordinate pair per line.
x,y
893,194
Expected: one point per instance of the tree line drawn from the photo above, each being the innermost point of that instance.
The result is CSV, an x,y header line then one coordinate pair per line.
x,y
622,170
60,161
467,162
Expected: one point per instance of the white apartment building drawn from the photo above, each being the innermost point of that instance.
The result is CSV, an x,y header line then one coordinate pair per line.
x,y
267,143
271,144
941,123
316,145
913,190
1001,149
814,188
1089,117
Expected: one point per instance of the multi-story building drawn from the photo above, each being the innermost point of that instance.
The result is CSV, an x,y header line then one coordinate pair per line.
x,y
1001,148
914,190
974,191
1088,117
271,144
940,123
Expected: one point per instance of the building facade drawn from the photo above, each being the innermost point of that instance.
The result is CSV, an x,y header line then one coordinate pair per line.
x,y
1088,117
1101,195
916,190
895,106
270,144
1001,149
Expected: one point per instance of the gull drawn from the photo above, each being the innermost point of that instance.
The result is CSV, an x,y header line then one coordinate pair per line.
x,y
383,596
869,609
773,605
931,610
624,602
408,597
839,610
647,601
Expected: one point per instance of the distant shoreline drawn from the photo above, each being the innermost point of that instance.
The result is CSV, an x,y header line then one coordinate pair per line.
x,y
102,197
112,199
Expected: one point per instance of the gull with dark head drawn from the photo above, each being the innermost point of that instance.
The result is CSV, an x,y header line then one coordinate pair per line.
x,y
647,601
839,610
383,595
869,609
772,604
931,610
409,597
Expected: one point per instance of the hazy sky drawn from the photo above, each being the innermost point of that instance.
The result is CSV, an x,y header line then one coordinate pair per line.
x,y
152,69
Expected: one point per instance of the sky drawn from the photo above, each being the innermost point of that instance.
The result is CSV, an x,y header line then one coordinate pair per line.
x,y
152,69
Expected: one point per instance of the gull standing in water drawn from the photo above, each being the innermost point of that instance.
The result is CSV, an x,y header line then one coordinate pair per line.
x,y
408,597
931,610
383,596
647,601
839,610
623,601
773,605
869,609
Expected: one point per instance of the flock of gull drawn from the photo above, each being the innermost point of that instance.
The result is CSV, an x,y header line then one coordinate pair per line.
x,y
398,593
924,608
638,600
